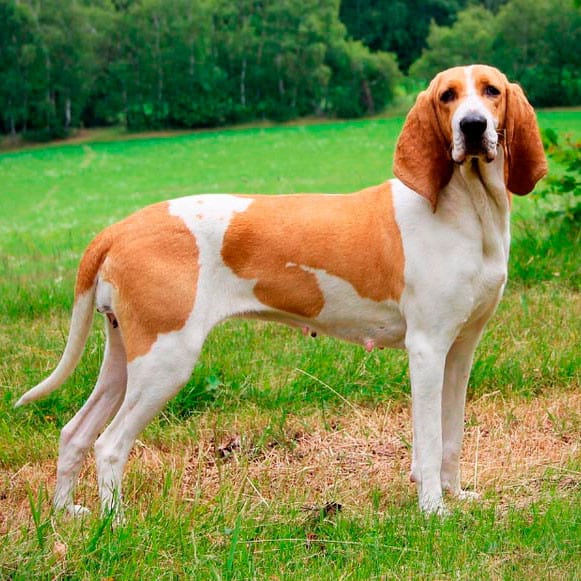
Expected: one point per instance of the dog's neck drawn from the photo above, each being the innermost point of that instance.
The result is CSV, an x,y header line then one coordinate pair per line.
x,y
480,187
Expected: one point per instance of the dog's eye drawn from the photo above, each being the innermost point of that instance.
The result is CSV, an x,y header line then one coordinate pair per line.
x,y
491,91
448,96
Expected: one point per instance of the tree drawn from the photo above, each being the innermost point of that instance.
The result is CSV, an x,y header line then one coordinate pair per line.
x,y
57,65
362,82
399,26
469,40
537,43
181,63
18,52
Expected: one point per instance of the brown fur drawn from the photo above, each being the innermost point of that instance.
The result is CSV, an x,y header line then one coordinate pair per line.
x,y
526,159
151,259
354,237
426,166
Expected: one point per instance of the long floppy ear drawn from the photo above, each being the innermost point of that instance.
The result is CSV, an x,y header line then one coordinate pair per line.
x,y
527,163
422,160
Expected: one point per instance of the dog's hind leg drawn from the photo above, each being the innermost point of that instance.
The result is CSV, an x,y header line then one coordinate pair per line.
x,y
80,433
153,379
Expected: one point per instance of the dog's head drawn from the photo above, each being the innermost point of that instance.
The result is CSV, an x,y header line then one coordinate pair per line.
x,y
468,112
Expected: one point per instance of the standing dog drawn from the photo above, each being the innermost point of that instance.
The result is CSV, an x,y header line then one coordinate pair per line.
x,y
418,262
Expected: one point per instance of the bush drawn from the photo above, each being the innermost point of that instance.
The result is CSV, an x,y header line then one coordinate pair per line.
x,y
561,192
362,82
545,246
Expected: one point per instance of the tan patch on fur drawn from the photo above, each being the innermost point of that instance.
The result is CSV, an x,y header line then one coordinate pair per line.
x,y
354,237
422,160
526,159
152,262
92,260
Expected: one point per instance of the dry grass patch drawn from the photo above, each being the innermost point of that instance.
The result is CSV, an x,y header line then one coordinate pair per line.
x,y
512,448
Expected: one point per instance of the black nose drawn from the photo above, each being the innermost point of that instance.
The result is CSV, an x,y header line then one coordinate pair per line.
x,y
473,126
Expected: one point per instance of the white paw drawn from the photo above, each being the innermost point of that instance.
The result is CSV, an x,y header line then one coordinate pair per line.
x,y
433,505
467,495
77,510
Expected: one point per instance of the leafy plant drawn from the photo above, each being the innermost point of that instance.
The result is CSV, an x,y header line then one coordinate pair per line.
x,y
544,243
562,191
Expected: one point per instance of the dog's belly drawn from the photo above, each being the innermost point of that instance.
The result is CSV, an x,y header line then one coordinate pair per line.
x,y
345,315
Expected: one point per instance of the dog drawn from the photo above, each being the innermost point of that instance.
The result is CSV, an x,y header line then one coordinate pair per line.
x,y
418,262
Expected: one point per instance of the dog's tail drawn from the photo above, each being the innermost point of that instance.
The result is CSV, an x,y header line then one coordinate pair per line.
x,y
81,319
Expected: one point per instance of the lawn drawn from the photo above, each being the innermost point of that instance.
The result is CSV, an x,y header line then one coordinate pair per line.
x,y
283,457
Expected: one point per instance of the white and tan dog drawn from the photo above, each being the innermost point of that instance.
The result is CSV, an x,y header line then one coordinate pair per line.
x,y
419,262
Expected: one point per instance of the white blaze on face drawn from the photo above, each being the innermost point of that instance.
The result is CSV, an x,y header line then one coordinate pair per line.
x,y
473,105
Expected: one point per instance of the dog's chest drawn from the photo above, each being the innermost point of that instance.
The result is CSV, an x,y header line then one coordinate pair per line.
x,y
487,286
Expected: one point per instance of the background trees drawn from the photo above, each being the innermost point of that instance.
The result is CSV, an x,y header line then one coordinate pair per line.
x,y
534,42
195,63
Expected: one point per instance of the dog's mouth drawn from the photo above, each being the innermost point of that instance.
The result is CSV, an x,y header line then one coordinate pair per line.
x,y
474,136
471,149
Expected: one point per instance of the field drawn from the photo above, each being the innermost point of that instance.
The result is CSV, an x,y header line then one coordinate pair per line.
x,y
283,457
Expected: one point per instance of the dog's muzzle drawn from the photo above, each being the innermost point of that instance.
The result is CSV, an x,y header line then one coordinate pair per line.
x,y
474,139
473,128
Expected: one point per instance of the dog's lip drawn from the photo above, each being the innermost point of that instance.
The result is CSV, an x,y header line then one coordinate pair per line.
x,y
476,152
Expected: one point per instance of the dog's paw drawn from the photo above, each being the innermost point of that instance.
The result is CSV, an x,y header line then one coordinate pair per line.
x,y
467,495
433,505
77,510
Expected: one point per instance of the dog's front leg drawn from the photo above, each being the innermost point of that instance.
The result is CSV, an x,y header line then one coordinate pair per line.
x,y
458,365
427,360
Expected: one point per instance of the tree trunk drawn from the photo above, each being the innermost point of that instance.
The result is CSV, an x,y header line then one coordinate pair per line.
x,y
367,97
243,83
68,115
159,65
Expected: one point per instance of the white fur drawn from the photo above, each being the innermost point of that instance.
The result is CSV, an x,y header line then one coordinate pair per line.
x,y
473,104
456,266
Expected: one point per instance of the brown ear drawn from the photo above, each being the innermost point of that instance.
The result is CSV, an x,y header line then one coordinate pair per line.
x,y
422,161
527,163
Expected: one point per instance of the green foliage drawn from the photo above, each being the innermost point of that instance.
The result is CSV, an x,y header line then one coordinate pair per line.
x,y
541,49
521,39
363,81
469,40
46,67
562,190
151,64
546,240
399,26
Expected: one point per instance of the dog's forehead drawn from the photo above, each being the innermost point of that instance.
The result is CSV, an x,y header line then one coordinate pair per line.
x,y
460,78
486,75
454,78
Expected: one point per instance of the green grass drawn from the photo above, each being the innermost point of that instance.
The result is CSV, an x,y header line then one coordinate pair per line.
x,y
232,541
257,379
